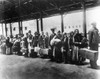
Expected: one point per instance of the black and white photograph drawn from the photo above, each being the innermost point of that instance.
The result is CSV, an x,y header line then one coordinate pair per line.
x,y
49,39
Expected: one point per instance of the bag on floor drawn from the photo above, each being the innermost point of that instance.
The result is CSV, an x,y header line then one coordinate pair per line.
x,y
8,50
43,52
3,49
33,54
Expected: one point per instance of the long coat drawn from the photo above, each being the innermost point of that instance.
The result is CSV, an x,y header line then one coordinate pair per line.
x,y
93,39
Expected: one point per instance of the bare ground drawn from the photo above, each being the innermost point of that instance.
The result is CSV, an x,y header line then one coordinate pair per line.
x,y
18,67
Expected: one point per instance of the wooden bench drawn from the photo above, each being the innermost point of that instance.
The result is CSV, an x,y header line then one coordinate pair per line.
x,y
91,55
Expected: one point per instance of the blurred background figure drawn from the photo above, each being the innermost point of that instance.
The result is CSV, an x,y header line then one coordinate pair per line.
x,y
47,40
16,45
71,45
8,46
35,39
30,37
42,40
65,46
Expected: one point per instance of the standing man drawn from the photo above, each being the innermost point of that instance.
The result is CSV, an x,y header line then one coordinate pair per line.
x,y
47,40
93,42
93,37
53,33
51,46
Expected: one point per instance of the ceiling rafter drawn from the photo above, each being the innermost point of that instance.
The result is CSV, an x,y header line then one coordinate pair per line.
x,y
29,8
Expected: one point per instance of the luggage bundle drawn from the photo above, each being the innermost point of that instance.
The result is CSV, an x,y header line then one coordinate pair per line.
x,y
41,52
32,53
3,48
91,55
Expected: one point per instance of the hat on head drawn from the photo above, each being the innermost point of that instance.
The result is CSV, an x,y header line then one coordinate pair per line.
x,y
53,29
36,33
29,31
93,23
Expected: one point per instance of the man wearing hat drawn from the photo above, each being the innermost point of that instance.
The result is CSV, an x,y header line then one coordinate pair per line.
x,y
93,36
51,37
53,33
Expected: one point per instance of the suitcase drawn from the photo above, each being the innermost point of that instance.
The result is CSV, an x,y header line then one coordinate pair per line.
x,y
8,50
33,54
3,49
43,52
24,52
91,55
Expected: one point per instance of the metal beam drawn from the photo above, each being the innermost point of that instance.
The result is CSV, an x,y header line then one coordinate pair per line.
x,y
56,5
6,29
41,21
37,22
19,28
62,23
10,29
84,19
21,24
2,30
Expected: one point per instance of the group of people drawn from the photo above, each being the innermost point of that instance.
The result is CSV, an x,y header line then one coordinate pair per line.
x,y
65,47
62,47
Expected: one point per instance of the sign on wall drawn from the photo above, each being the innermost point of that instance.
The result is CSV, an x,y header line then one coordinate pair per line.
x,y
73,21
